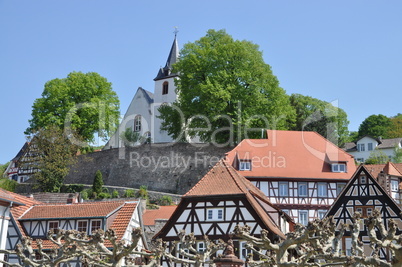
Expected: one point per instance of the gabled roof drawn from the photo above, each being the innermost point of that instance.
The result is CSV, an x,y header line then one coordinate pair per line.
x,y
148,95
163,212
100,209
172,58
389,168
123,218
292,154
223,181
389,143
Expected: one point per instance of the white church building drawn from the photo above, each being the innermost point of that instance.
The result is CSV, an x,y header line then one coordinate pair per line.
x,y
141,115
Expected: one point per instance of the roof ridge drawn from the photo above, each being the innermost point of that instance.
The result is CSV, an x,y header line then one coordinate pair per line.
x,y
231,175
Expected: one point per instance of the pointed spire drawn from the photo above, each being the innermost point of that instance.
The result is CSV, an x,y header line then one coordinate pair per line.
x,y
172,58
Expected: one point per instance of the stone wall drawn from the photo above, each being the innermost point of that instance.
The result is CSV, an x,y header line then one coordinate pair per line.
x,y
170,168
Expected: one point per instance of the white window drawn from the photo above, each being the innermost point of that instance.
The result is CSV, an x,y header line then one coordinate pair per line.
x,y
322,190
370,146
244,252
302,189
360,159
137,123
394,185
180,254
338,167
215,214
363,180
283,189
201,247
321,214
53,225
303,217
348,246
244,165
95,225
82,226
361,147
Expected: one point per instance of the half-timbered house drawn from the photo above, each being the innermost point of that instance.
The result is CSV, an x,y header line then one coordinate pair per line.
x,y
35,219
300,172
221,200
364,194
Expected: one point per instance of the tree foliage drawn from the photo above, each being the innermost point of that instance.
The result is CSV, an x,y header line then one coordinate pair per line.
x,y
377,157
54,155
395,131
84,104
3,168
375,126
225,88
320,116
98,183
131,138
7,184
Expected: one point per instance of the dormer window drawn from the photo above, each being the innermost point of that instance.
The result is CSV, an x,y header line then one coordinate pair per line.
x,y
165,88
338,167
244,165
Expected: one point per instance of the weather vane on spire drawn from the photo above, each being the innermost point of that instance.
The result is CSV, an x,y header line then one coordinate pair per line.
x,y
175,31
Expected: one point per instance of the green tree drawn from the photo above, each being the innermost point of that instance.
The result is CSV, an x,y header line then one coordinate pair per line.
x,y
83,104
397,158
377,157
98,183
375,126
320,116
3,168
54,154
225,88
7,184
130,138
395,131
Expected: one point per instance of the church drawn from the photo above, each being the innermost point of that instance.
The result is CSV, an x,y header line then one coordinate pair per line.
x,y
142,113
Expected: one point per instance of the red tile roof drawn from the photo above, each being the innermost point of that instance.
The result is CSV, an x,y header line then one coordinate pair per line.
x,y
123,218
388,168
163,212
223,179
291,154
75,210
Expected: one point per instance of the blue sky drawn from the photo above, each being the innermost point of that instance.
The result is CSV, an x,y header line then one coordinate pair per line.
x,y
349,51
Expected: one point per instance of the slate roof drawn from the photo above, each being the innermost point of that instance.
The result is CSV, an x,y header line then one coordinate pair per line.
x,y
148,95
389,143
76,210
163,212
292,154
172,58
222,180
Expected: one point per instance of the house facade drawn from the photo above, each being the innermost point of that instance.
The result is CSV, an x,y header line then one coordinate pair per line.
x,y
24,164
364,194
35,219
362,148
221,200
300,172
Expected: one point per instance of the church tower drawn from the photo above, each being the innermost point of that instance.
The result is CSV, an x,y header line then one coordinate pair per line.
x,y
164,92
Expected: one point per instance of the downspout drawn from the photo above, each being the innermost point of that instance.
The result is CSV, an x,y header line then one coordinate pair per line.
x,y
140,213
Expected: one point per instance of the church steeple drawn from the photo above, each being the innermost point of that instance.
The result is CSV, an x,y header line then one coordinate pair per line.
x,y
172,58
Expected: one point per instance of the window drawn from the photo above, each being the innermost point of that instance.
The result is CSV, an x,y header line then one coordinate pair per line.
x,y
165,88
322,190
338,167
360,159
215,214
82,226
95,225
370,146
321,214
244,252
394,185
244,165
364,210
53,225
303,217
363,180
348,246
137,123
302,189
283,189
361,147
201,247
339,187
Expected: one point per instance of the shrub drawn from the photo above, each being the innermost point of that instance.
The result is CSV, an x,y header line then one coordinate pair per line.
x,y
103,195
98,182
72,188
8,184
143,192
129,193
115,194
165,201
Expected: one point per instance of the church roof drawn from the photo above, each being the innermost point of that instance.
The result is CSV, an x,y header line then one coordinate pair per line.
x,y
148,95
166,71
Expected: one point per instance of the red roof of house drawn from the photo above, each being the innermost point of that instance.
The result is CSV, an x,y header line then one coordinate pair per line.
x,y
388,168
292,154
163,212
75,210
123,218
223,179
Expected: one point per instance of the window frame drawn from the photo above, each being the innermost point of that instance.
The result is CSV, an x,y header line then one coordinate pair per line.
x,y
53,228
336,167
165,88
244,252
244,165
303,212
299,185
86,226
370,147
394,185
282,185
217,214
137,124
322,186
92,225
